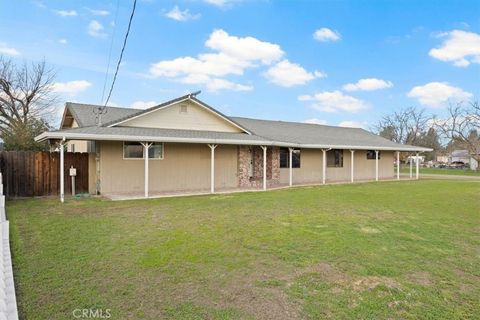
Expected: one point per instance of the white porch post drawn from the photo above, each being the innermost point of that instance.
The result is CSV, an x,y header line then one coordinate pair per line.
x,y
352,152
398,165
376,165
324,166
290,166
212,167
264,148
62,171
146,146
417,174
411,166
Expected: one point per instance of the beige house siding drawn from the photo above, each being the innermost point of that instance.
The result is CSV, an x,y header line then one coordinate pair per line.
x,y
310,170
77,146
172,117
184,167
311,160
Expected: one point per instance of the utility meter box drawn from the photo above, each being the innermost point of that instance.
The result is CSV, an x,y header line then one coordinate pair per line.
x,y
73,172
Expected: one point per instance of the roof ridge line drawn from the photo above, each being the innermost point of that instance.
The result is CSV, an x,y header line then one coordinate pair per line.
x,y
295,122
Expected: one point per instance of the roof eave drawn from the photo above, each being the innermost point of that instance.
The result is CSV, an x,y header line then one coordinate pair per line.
x,y
111,137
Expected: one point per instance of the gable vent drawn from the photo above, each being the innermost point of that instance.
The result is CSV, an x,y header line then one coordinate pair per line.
x,y
183,108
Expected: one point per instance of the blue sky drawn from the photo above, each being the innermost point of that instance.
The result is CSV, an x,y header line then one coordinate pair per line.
x,y
333,62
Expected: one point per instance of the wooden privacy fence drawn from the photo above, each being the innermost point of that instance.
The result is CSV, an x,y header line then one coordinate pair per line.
x,y
29,173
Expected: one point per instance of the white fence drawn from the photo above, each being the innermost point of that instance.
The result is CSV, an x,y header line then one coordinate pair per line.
x,y
8,301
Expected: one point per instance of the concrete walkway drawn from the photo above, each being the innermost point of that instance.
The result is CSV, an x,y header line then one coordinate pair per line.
x,y
220,191
443,176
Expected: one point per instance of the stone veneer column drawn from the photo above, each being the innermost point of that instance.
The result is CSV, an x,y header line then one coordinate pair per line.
x,y
256,181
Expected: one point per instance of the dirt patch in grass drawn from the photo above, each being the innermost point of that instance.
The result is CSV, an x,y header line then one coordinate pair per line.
x,y
259,301
330,274
421,277
371,282
369,230
327,272
258,294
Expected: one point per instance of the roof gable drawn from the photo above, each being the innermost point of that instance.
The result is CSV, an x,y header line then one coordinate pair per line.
x,y
84,114
185,113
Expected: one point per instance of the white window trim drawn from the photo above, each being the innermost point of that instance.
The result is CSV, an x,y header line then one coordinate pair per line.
x,y
143,158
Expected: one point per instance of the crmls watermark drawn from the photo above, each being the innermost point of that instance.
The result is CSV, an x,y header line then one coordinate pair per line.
x,y
92,313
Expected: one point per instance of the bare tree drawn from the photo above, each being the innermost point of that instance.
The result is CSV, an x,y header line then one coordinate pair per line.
x,y
26,98
405,126
462,126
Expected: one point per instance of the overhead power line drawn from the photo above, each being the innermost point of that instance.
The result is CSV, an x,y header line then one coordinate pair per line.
x,y
110,52
102,109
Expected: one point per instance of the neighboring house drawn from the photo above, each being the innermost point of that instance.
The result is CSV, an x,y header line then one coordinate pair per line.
x,y
442,158
462,157
192,147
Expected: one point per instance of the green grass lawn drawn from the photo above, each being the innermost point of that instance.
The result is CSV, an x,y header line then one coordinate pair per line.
x,y
388,250
459,172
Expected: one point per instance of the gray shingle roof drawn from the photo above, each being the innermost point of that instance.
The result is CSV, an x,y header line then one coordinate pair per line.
x,y
158,134
306,133
85,116
266,132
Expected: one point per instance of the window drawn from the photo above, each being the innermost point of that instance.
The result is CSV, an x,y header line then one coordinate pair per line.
x,y
371,155
134,150
285,158
335,158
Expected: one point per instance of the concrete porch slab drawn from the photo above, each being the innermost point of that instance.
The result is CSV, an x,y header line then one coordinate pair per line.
x,y
219,191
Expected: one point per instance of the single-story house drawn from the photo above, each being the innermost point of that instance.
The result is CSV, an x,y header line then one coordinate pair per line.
x,y
462,157
192,147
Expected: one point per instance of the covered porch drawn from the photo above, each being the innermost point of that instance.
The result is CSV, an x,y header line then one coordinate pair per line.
x,y
258,170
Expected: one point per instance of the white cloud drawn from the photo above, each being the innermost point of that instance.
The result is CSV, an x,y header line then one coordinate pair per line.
x,y
71,88
220,84
459,47
233,55
102,13
179,15
245,49
287,74
352,124
326,34
9,51
206,64
213,84
95,29
320,74
333,101
66,13
438,94
316,121
39,4
143,104
218,3
62,41
369,84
